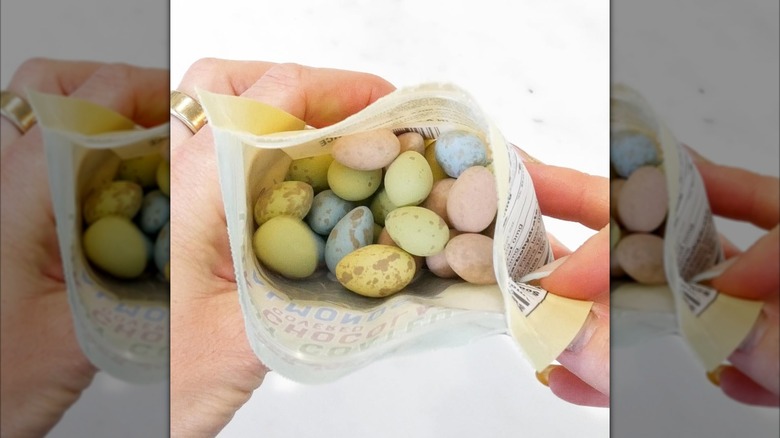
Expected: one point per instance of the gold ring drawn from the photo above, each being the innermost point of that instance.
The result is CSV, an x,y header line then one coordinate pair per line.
x,y
17,111
188,110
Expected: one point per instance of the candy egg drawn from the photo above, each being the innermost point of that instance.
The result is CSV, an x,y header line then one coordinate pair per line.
x,y
436,170
630,151
641,256
376,270
116,245
353,231
351,184
291,198
141,170
381,205
286,245
368,150
471,257
162,247
121,198
438,264
473,200
412,141
163,177
327,209
437,199
155,212
311,170
456,151
643,201
417,230
408,180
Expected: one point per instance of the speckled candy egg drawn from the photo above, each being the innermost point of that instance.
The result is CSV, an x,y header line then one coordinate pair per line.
x,y
381,205
368,150
352,184
353,231
141,170
376,270
287,246
408,180
122,198
155,212
630,151
311,170
327,209
116,245
291,198
456,151
417,230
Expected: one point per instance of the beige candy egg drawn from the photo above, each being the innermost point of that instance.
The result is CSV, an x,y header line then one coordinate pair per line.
x,y
311,170
368,150
471,257
641,256
417,230
376,270
141,170
291,198
438,264
286,245
412,141
408,180
122,198
643,202
437,199
473,200
116,245
351,184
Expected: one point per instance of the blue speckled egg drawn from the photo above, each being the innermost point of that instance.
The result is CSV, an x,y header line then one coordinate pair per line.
x,y
162,247
326,210
456,151
353,231
630,151
155,212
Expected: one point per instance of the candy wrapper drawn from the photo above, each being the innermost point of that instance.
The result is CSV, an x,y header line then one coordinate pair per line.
x,y
121,325
314,330
713,324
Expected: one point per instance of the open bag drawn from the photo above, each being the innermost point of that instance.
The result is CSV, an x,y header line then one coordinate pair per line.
x,y
314,330
121,325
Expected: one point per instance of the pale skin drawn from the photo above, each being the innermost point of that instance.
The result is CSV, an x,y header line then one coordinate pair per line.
x,y
43,368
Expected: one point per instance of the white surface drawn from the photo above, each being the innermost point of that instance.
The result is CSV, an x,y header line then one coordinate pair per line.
x,y
541,71
110,31
710,69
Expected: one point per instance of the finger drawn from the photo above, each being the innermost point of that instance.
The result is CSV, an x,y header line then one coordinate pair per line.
x,y
571,195
47,76
741,388
585,274
140,94
572,389
753,274
756,357
318,96
587,356
740,194
559,249
729,249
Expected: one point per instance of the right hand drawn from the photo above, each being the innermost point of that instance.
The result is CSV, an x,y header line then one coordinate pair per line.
x,y
739,194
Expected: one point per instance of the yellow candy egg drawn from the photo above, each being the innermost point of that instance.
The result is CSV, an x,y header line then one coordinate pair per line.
x,y
291,198
376,270
286,245
122,198
116,245
141,170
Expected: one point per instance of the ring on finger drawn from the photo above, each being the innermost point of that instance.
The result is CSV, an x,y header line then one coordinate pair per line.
x,y
188,110
17,111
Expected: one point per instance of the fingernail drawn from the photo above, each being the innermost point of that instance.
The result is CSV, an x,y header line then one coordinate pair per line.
x,y
542,272
583,337
525,156
713,272
756,333
714,375
543,376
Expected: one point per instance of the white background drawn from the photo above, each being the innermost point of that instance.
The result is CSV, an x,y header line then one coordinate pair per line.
x,y
110,31
710,70
540,70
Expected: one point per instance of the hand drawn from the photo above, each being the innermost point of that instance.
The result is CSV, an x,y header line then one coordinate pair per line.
x,y
745,196
213,369
43,368
583,275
